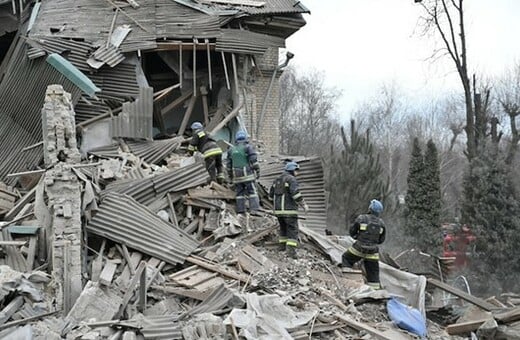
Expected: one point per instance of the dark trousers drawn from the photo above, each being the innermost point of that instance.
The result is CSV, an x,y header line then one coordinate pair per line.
x,y
349,259
214,167
243,190
288,230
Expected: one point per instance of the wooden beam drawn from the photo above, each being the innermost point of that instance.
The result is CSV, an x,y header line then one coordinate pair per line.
x,y
176,102
465,327
187,115
217,268
508,316
463,295
363,327
130,292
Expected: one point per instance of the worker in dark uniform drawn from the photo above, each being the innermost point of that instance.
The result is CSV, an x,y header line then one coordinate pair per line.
x,y
369,231
286,198
202,142
243,169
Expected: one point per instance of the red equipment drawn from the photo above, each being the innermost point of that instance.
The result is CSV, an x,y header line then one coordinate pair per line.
x,y
457,242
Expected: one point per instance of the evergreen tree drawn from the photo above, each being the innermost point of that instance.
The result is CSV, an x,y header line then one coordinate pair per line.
x,y
491,208
431,238
356,176
423,199
414,201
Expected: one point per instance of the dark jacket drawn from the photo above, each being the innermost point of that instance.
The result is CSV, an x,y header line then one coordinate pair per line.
x,y
368,230
286,195
202,142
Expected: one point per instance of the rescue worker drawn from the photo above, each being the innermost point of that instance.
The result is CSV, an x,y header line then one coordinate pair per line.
x,y
286,197
243,169
202,142
369,231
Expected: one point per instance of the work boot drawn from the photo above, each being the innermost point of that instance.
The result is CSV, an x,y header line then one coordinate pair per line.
x,y
282,246
291,252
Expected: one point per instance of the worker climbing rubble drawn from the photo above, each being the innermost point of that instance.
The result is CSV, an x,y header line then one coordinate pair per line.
x,y
286,198
369,231
202,142
243,169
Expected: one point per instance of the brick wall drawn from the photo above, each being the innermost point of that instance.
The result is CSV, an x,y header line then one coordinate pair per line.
x,y
269,133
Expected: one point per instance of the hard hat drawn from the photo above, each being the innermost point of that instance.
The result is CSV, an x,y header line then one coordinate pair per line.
x,y
291,166
240,136
375,207
196,126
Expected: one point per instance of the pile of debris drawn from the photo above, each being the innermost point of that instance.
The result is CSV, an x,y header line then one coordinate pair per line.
x,y
114,247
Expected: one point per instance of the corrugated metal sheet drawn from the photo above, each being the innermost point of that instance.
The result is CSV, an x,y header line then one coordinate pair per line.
x,y
145,190
21,118
185,23
119,81
89,109
312,187
77,52
91,20
155,327
270,7
154,151
110,55
217,300
136,119
242,41
121,219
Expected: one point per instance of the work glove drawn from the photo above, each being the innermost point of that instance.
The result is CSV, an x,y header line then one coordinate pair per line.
x,y
305,207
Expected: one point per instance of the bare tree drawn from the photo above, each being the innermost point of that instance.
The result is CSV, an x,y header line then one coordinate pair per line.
x,y
446,18
308,120
508,95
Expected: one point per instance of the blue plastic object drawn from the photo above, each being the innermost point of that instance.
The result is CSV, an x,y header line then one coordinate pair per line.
x,y
406,317
73,74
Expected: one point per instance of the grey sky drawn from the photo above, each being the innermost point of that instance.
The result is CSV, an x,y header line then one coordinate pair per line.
x,y
361,44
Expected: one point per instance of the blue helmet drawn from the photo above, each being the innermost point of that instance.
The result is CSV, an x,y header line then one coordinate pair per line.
x,y
291,166
375,207
240,136
196,126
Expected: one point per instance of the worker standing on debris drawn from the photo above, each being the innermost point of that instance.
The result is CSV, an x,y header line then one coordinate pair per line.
x,y
369,231
286,197
202,142
243,169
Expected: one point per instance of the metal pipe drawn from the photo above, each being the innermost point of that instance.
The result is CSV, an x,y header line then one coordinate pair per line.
x,y
288,56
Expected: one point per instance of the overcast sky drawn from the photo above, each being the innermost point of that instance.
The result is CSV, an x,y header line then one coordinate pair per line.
x,y
361,44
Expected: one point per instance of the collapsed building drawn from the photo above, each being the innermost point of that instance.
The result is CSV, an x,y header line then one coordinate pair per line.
x,y
110,230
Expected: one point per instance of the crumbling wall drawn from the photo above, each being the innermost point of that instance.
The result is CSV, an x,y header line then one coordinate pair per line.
x,y
63,191
269,133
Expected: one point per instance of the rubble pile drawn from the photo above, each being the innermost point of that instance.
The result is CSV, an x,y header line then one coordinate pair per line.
x,y
163,255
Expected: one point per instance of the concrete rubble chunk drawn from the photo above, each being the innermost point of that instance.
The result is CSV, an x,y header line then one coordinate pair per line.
x,y
94,304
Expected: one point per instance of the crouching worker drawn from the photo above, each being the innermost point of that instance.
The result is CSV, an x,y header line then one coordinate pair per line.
x,y
286,197
369,231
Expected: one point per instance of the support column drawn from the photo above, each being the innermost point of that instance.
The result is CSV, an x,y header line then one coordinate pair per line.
x,y
63,191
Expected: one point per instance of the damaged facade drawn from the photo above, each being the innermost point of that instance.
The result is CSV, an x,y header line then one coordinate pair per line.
x,y
109,230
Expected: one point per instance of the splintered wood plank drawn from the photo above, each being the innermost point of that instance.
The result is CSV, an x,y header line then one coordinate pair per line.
x,y
198,278
463,295
33,242
258,257
465,327
181,274
508,316
214,282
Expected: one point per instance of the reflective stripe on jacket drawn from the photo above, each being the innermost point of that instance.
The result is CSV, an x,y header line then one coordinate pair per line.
x,y
205,144
368,230
286,195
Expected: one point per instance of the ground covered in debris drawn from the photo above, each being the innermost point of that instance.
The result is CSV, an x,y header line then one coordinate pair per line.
x,y
165,256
